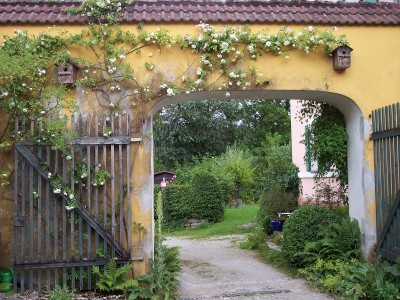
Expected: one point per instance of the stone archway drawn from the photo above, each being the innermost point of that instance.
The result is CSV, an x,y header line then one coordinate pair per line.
x,y
361,184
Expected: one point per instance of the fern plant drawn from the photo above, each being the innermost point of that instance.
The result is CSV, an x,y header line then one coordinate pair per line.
x,y
336,241
112,278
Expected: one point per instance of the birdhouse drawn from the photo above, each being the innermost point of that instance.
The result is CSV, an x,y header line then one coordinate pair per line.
x,y
341,57
67,72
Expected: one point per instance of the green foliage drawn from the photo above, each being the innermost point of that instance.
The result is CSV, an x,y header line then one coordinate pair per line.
x,y
336,241
207,197
355,279
186,131
279,180
161,282
275,200
112,279
237,163
5,287
277,239
107,11
177,205
254,239
302,227
326,139
264,218
60,293
257,241
197,193
275,166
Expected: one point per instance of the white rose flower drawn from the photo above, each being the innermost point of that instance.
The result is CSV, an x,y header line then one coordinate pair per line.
x,y
170,92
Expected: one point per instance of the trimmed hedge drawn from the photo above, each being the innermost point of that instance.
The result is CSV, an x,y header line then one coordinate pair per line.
x,y
207,197
303,227
202,199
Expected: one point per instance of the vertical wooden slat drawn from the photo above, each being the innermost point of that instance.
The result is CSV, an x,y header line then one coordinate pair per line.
x,y
396,221
112,187
128,185
392,184
88,195
384,165
15,208
120,183
72,212
48,195
387,164
80,200
96,190
64,214
23,200
55,221
105,185
39,208
30,199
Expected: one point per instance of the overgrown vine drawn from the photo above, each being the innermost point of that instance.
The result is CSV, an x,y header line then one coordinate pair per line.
x,y
224,59
326,141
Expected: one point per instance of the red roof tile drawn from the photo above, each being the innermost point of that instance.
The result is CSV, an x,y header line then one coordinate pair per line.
x,y
335,13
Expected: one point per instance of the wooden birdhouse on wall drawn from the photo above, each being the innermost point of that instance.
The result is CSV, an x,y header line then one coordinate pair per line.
x,y
67,72
341,57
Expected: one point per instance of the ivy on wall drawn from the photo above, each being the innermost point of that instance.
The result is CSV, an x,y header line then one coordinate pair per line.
x,y
225,59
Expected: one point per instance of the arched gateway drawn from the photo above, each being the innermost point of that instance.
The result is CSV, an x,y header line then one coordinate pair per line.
x,y
371,82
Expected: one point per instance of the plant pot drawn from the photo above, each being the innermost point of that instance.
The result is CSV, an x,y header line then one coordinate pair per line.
x,y
276,224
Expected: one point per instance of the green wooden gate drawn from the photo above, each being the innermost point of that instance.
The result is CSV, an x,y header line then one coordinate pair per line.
x,y
386,139
56,242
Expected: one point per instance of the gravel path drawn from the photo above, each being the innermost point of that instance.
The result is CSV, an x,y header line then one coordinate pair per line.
x,y
217,268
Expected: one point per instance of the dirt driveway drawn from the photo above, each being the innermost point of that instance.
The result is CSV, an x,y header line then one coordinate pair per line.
x,y
217,268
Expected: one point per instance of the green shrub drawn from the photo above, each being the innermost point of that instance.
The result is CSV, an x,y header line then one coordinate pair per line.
x,y
276,200
303,227
264,218
254,240
177,206
277,239
354,279
281,171
336,241
60,293
207,202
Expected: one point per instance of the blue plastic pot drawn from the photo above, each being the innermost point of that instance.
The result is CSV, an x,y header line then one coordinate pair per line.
x,y
276,224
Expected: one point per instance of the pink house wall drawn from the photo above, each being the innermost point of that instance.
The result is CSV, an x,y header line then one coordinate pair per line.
x,y
298,153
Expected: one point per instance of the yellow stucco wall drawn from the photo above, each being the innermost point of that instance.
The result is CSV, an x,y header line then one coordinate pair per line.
x,y
371,82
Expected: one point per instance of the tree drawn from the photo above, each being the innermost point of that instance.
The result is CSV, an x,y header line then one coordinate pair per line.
x,y
237,163
188,130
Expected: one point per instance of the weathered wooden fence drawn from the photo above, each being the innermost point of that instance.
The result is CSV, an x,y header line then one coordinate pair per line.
x,y
386,137
60,232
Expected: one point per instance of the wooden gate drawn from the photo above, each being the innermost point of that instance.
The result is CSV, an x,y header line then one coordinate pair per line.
x,y
71,206
386,138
